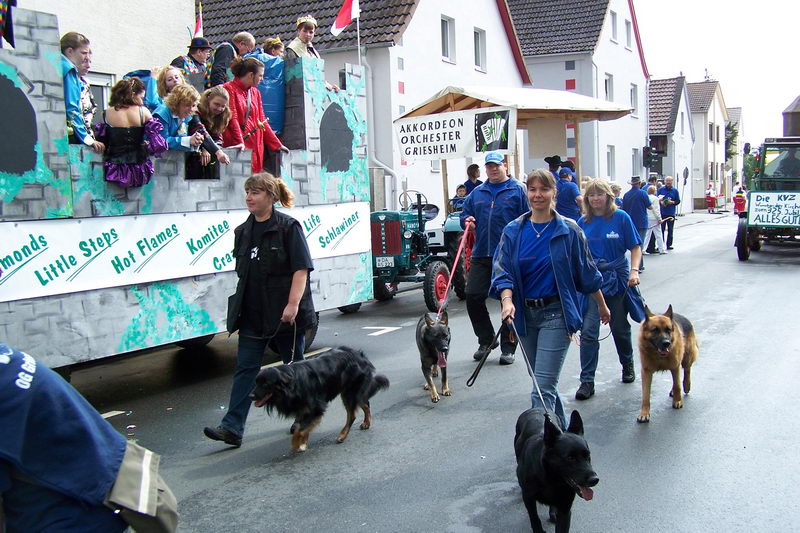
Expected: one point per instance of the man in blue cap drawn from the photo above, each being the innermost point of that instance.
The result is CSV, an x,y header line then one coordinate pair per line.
x,y
487,210
635,203
568,196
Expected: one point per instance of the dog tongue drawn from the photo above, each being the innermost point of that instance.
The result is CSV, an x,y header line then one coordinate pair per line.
x,y
586,493
261,401
442,360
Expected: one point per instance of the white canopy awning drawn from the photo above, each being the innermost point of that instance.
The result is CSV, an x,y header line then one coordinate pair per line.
x,y
530,103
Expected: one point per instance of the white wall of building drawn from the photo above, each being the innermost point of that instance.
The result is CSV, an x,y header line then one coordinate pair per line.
x,y
611,56
680,150
709,153
125,36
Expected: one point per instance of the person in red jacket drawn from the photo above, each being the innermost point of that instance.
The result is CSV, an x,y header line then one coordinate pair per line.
x,y
248,127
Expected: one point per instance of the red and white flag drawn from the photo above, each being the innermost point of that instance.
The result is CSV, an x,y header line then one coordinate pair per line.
x,y
198,26
347,14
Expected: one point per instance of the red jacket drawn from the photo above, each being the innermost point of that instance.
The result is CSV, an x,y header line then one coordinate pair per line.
x,y
235,132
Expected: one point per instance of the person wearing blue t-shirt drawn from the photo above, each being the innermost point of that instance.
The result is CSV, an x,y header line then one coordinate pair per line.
x,y
635,203
457,201
669,199
540,267
610,233
568,196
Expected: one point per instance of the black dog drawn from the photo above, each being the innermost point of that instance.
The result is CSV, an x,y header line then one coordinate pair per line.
x,y
552,466
433,341
303,390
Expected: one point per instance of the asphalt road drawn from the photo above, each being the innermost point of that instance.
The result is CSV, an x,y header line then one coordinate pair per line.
x,y
726,462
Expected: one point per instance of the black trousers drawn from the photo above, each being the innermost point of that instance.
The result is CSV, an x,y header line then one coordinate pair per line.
x,y
478,283
668,225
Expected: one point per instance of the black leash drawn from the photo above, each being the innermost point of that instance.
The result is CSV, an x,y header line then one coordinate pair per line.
x,y
477,370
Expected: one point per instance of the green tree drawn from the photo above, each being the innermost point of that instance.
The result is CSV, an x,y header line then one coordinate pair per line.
x,y
731,135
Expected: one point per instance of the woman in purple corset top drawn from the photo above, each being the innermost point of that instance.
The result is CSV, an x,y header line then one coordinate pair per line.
x,y
131,136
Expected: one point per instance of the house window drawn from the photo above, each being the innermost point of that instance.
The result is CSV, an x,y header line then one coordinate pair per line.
x,y
448,39
711,132
681,122
610,158
635,164
569,65
613,26
100,86
400,63
436,165
717,134
635,99
401,109
609,87
479,38
628,33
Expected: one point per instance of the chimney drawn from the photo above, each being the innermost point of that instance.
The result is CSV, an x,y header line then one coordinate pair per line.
x,y
791,119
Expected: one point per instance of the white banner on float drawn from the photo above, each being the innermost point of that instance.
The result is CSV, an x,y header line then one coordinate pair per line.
x,y
457,133
47,257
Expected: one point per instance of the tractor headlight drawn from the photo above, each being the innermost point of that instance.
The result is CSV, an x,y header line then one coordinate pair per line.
x,y
407,234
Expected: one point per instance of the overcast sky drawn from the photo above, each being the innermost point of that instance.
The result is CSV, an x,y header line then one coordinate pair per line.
x,y
751,48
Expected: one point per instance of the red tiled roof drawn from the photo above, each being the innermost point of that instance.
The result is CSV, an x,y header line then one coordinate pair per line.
x,y
665,97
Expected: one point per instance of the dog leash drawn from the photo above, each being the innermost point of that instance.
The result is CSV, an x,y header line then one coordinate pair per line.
x,y
474,376
659,223
443,303
528,364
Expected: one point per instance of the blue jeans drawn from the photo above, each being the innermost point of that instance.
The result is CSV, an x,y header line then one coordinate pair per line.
x,y
546,343
249,355
620,330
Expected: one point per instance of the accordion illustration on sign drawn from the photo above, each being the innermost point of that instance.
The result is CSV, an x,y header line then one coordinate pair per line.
x,y
491,131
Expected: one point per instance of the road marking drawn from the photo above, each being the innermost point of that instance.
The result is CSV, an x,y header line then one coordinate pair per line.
x,y
307,356
381,330
112,413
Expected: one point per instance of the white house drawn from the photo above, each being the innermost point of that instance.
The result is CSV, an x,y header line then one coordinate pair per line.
x,y
672,134
593,48
709,116
412,49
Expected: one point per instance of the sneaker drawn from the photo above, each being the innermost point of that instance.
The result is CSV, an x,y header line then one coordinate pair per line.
x,y
628,374
225,435
670,248
645,253
507,359
585,391
662,252
482,349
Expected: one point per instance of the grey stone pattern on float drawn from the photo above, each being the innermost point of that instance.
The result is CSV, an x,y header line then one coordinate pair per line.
x,y
36,61
70,328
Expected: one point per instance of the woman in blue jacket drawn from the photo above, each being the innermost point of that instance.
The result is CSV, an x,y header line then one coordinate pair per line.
x,y
174,115
540,266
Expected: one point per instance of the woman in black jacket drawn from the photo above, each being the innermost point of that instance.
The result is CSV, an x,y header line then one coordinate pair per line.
x,y
273,296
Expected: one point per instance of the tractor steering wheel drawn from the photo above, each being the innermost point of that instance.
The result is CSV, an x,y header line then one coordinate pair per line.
x,y
406,200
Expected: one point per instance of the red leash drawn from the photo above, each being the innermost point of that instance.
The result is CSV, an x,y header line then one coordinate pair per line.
x,y
452,273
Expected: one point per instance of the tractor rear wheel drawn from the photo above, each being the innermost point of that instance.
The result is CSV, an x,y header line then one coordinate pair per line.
x,y
435,284
460,274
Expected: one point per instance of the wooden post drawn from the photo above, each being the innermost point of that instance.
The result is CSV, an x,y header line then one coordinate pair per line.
x,y
445,187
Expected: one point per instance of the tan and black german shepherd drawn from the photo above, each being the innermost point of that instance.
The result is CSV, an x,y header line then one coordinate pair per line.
x,y
666,342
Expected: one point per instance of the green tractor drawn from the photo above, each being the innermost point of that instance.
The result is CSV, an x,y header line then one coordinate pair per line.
x,y
773,197
401,253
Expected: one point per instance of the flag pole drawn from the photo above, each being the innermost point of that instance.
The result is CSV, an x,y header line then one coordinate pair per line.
x,y
358,39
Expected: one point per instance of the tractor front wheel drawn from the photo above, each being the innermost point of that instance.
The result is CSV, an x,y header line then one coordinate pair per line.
x,y
383,291
435,285
742,244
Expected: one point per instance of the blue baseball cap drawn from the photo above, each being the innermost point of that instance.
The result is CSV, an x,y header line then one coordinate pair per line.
x,y
494,157
565,170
